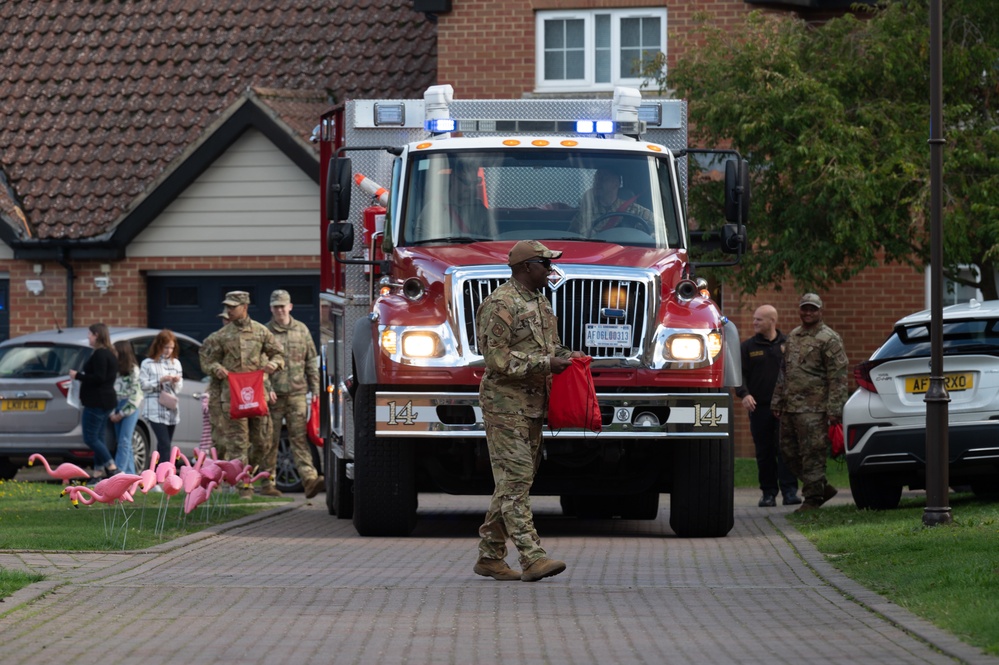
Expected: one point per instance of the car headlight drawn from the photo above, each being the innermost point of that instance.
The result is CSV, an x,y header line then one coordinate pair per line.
x,y
421,344
685,347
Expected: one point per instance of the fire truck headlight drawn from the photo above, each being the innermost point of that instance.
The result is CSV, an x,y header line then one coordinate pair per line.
x,y
421,345
684,347
714,344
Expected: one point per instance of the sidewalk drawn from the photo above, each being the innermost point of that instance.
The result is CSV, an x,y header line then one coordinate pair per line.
x,y
295,585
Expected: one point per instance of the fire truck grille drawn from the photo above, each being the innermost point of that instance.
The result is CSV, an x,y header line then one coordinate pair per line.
x,y
619,307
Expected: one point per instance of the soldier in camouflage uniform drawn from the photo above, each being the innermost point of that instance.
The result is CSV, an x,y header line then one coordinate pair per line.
x,y
242,346
289,387
809,397
519,341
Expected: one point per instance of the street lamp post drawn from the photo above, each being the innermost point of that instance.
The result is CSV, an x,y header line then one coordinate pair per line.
x,y
937,510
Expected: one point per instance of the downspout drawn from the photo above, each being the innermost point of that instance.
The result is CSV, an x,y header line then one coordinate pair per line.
x,y
70,278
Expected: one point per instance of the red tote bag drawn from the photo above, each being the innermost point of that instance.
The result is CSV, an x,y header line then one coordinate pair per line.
x,y
246,395
313,425
573,400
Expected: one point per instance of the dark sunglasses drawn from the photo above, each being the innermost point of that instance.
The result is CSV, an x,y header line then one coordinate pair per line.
x,y
547,263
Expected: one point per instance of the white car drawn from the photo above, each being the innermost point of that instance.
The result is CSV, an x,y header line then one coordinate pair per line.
x,y
884,421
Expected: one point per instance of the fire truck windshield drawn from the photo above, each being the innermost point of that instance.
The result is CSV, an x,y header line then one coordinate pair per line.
x,y
548,194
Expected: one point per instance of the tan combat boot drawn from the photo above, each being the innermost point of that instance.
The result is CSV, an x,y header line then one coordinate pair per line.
x,y
313,486
542,568
496,569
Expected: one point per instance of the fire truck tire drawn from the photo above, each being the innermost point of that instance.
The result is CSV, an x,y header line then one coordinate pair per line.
x,y
341,490
701,501
384,475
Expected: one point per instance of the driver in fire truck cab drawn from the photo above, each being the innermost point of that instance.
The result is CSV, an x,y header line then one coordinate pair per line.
x,y
597,205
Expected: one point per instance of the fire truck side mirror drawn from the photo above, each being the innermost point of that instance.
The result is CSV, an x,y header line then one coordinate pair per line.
x,y
340,237
733,240
338,189
736,191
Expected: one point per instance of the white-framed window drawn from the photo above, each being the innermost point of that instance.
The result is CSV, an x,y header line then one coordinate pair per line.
x,y
596,49
955,293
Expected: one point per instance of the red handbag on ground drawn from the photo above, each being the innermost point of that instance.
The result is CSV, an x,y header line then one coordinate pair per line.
x,y
246,394
573,400
312,429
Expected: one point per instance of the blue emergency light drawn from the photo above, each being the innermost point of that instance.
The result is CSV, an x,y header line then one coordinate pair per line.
x,y
441,125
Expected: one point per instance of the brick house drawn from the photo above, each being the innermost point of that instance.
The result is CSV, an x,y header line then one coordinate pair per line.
x,y
155,154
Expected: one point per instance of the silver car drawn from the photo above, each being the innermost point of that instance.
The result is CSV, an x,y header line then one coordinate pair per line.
x,y
34,381
884,421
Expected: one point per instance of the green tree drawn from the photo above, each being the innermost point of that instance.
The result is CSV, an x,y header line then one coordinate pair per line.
x,y
835,120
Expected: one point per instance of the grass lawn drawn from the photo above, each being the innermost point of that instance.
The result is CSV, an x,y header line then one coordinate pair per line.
x,y
949,575
36,516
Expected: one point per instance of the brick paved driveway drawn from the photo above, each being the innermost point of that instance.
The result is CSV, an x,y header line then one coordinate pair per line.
x,y
301,587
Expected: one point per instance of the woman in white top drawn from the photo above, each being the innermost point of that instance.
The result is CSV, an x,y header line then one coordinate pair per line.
x,y
161,373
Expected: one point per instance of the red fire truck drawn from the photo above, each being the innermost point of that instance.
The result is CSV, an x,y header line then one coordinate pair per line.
x,y
400,357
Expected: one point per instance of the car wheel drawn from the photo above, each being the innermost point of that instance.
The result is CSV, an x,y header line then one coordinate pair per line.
x,y
987,488
874,492
7,469
141,448
286,473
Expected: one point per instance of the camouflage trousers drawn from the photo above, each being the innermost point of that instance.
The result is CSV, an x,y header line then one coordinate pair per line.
x,y
295,411
243,438
215,417
804,445
514,444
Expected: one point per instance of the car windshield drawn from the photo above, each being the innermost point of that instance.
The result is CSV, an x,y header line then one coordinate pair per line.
x,y
959,337
519,194
39,361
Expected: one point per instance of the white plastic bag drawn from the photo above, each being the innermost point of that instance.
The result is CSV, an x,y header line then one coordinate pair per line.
x,y
73,396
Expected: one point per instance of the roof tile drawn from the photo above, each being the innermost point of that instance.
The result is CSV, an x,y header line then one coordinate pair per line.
x,y
102,98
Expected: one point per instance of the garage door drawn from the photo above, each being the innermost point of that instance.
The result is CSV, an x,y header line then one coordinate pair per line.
x,y
190,303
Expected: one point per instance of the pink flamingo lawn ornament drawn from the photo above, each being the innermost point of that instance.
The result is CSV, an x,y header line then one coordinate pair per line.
x,y
64,472
110,490
198,496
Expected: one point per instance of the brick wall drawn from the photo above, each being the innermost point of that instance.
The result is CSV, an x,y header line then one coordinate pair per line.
x,y
126,302
485,49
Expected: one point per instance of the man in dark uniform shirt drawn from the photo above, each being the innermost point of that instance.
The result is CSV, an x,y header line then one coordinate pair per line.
x,y
761,356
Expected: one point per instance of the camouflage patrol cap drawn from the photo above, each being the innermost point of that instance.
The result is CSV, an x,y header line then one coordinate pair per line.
x,y
529,249
236,298
280,297
811,299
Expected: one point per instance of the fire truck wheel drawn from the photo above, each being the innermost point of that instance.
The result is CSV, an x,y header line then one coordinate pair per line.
x,y
340,489
701,501
384,475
